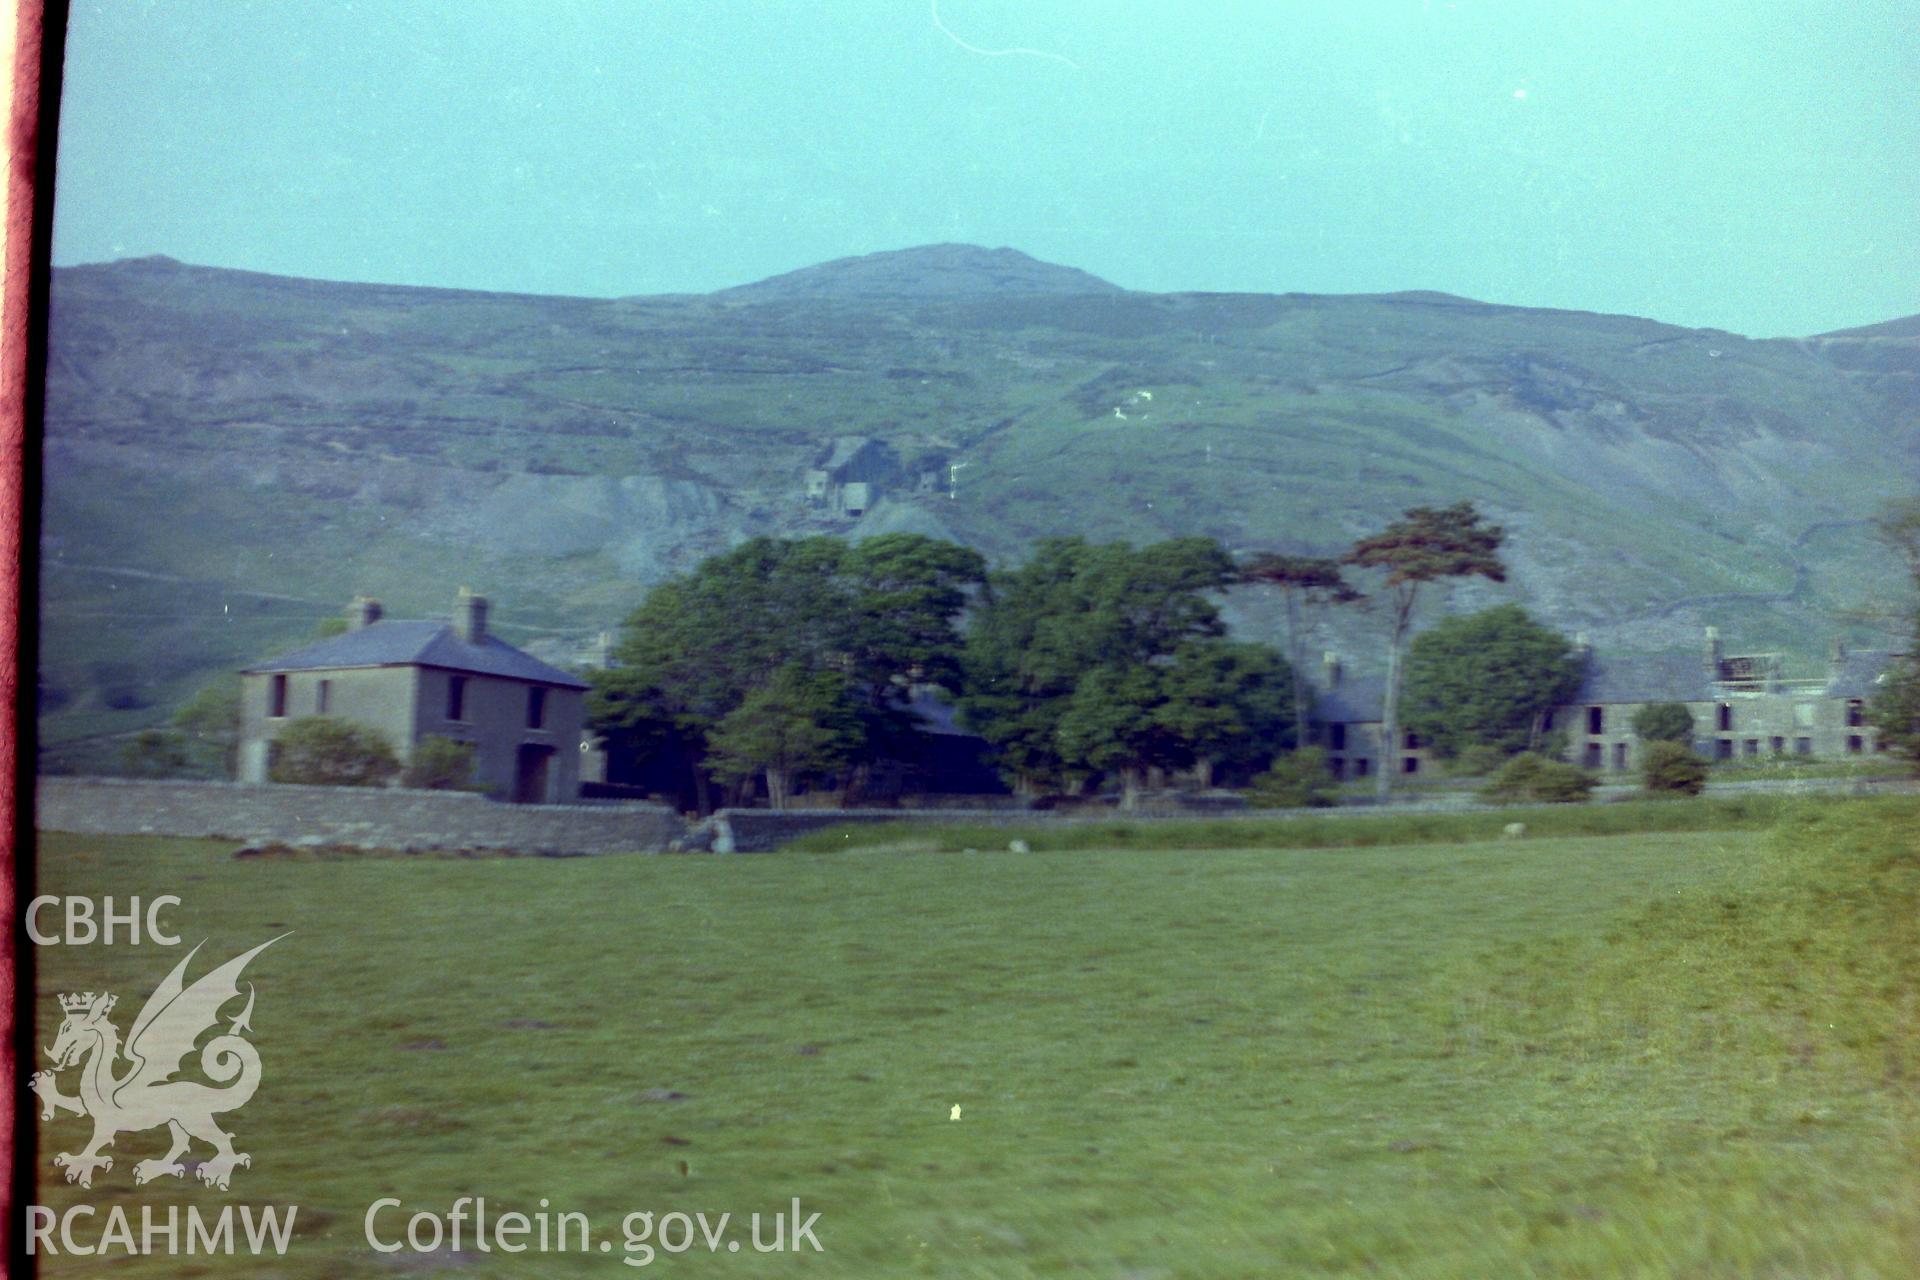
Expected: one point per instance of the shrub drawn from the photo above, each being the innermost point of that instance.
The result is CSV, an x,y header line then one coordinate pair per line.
x,y
440,764
1299,780
1669,766
154,753
1664,722
323,752
1531,778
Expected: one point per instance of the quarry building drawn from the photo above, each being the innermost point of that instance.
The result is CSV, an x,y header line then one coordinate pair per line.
x,y
409,680
1742,706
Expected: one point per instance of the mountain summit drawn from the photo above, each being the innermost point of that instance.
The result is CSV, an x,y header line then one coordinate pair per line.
x,y
929,271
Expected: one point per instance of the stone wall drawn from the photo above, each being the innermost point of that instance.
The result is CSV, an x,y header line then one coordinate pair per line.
x,y
362,817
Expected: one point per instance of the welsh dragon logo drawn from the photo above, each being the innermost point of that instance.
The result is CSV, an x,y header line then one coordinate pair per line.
x,y
145,1095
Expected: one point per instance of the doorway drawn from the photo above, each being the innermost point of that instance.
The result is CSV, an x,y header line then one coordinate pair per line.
x,y
532,769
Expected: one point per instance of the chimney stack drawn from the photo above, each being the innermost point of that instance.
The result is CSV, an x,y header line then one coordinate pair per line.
x,y
470,617
1330,669
1837,652
1714,654
363,612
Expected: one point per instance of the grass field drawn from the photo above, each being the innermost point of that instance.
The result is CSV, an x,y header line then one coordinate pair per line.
x,y
1681,1053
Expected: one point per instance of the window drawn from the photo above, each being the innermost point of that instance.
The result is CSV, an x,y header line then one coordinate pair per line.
x,y
1803,746
1546,723
1723,748
1725,721
1596,720
1338,768
277,697
1592,759
1410,764
1777,745
1413,744
1619,755
1856,713
1751,747
1337,737
456,697
536,707
1855,744
322,696
1360,767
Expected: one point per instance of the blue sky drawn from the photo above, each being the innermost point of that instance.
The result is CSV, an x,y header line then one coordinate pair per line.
x,y
1749,166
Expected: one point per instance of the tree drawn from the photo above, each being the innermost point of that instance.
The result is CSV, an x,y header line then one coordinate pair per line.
x,y
1112,724
321,751
1894,708
883,614
1307,587
798,722
210,722
1426,544
1669,765
1075,608
439,764
1664,722
1488,679
1212,703
1235,705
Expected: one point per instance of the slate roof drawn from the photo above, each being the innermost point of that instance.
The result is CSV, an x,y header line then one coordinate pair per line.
x,y
1355,700
1658,677
422,644
1858,673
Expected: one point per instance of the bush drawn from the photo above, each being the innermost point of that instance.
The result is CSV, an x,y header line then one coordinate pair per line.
x,y
440,764
154,753
1300,780
1531,778
323,752
1669,766
1664,722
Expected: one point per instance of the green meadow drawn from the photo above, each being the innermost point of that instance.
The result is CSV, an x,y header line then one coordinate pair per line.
x,y
1691,1049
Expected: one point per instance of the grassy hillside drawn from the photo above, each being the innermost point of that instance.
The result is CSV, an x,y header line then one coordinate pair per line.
x,y
243,435
1690,1053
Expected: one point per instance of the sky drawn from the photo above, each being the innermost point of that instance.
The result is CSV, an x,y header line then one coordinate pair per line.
x,y
1752,166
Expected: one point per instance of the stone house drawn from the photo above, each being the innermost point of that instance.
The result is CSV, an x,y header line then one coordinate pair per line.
x,y
1742,707
1350,711
852,473
408,680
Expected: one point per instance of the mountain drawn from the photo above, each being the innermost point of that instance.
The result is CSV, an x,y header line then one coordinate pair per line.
x,y
231,456
930,271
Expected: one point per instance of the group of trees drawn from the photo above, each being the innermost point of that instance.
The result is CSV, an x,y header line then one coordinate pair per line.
x,y
788,661
1092,660
785,659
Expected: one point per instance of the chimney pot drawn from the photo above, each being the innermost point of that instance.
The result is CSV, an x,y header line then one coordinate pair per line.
x,y
1330,668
